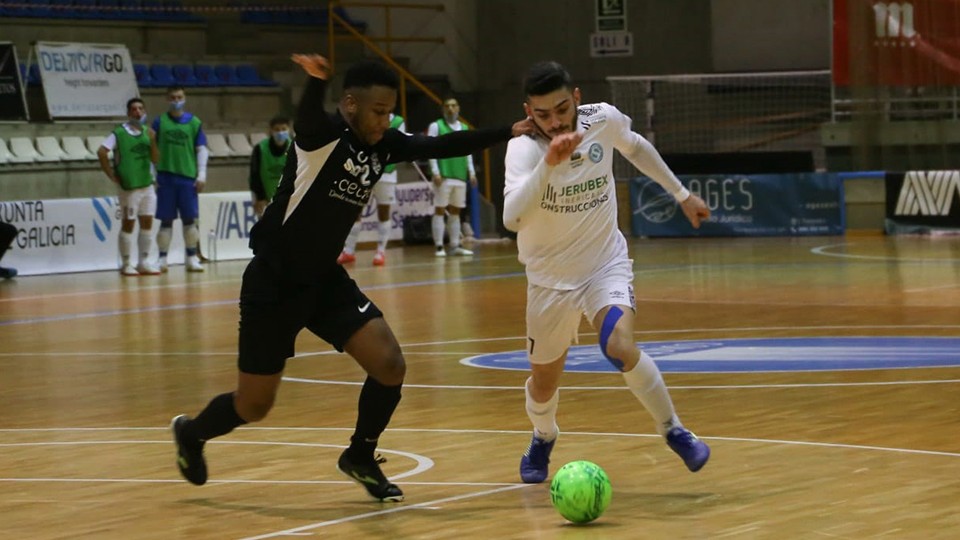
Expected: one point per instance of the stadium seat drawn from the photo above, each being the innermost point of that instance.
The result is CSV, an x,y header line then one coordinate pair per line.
x,y
22,148
205,75
217,144
85,9
33,75
239,143
143,75
162,75
247,76
76,150
94,142
184,76
5,154
227,74
131,10
255,138
49,149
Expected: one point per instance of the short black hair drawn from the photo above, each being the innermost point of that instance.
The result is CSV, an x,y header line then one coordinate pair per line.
x,y
279,119
174,88
131,101
545,77
367,73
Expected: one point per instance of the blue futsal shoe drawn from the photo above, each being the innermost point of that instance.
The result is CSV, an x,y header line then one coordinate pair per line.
x,y
692,450
534,465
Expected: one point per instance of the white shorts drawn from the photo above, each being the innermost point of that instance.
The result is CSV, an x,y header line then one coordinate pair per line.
x,y
553,315
450,193
385,190
138,202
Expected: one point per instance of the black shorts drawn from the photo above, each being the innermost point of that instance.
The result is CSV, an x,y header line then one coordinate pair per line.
x,y
272,313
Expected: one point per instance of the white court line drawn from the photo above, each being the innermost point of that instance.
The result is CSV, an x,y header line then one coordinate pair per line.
x,y
186,284
822,250
937,288
312,526
269,482
671,387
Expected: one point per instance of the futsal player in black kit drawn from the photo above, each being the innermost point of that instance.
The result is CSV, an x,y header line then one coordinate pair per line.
x,y
294,281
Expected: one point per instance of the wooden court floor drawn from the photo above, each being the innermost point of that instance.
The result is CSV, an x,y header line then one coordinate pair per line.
x,y
93,366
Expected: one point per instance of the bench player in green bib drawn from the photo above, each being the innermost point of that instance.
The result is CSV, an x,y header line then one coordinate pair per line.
x,y
181,176
267,162
450,177
134,148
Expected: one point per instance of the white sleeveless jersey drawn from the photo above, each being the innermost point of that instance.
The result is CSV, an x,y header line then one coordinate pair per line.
x,y
573,232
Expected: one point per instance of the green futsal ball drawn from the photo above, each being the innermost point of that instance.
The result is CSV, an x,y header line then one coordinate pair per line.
x,y
580,491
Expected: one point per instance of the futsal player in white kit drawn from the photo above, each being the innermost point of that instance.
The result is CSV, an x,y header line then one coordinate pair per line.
x,y
560,198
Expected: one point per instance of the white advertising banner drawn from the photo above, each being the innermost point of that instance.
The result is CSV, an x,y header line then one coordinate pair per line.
x,y
225,223
69,235
413,199
80,235
86,79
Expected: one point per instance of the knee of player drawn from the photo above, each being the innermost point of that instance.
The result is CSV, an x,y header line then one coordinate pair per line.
x,y
254,409
394,369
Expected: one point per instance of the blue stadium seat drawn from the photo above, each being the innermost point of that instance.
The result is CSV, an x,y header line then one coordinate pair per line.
x,y
85,9
108,10
227,74
184,75
143,75
162,75
33,75
131,11
62,9
247,76
205,75
153,10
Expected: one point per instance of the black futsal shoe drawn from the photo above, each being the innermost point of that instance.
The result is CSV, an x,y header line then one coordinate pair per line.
x,y
189,453
369,475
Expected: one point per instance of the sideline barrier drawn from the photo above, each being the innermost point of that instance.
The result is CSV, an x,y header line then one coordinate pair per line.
x,y
80,235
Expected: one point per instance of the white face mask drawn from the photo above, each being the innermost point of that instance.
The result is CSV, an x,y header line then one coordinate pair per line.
x,y
177,105
281,137
143,119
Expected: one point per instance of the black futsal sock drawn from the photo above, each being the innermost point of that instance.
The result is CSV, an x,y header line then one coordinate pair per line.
x,y
377,403
219,418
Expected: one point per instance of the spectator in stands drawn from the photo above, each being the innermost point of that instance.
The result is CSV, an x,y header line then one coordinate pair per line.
x,y
7,234
385,192
266,163
134,147
450,177
181,176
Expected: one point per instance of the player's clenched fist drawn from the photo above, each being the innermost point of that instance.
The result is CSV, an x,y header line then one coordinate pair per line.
x,y
561,147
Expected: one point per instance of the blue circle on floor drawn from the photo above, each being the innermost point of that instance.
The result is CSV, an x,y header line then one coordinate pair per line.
x,y
760,355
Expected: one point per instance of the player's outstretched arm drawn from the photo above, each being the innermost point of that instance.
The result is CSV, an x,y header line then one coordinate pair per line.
x,y
311,120
458,143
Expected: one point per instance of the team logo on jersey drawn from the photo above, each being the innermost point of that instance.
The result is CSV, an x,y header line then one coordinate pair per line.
x,y
595,152
576,160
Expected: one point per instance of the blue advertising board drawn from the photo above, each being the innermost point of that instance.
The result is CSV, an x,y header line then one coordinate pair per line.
x,y
797,204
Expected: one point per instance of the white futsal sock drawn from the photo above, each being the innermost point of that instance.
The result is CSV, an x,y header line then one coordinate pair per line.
x,y
126,246
453,227
383,234
164,236
437,225
350,246
144,239
543,416
645,381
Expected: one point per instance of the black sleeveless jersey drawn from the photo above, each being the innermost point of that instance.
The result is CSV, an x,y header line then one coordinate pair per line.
x,y
328,179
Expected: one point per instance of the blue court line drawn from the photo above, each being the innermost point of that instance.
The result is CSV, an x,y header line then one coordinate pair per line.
x,y
175,307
